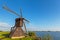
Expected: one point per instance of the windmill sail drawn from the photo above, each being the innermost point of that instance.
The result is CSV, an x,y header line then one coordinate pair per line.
x,y
25,27
20,13
6,8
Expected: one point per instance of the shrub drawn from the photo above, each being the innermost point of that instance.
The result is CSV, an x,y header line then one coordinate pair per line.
x,y
47,37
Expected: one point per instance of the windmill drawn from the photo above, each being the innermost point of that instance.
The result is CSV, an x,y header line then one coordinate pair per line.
x,y
16,31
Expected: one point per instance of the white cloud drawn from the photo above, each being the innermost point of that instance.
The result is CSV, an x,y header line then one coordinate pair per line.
x,y
40,28
4,26
31,27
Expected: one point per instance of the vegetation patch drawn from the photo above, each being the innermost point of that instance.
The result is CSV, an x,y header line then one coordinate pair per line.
x,y
4,36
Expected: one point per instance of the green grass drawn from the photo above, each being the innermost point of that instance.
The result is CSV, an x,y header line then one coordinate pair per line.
x,y
4,36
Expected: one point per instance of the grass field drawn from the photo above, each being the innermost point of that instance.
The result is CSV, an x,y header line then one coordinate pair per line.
x,y
4,36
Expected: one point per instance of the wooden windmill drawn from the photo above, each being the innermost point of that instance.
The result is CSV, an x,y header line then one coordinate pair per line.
x,y
16,31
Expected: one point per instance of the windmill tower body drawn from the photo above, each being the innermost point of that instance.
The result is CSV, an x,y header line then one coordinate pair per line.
x,y
19,22
17,31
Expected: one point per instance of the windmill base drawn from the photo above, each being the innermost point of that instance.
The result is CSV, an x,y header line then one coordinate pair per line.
x,y
17,33
17,37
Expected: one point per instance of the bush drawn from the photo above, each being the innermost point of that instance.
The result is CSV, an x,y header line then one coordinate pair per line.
x,y
47,37
31,34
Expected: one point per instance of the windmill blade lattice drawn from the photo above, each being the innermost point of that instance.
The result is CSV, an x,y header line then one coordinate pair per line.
x,y
6,8
26,20
25,27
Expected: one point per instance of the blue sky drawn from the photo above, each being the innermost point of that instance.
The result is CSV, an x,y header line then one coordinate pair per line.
x,y
42,14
